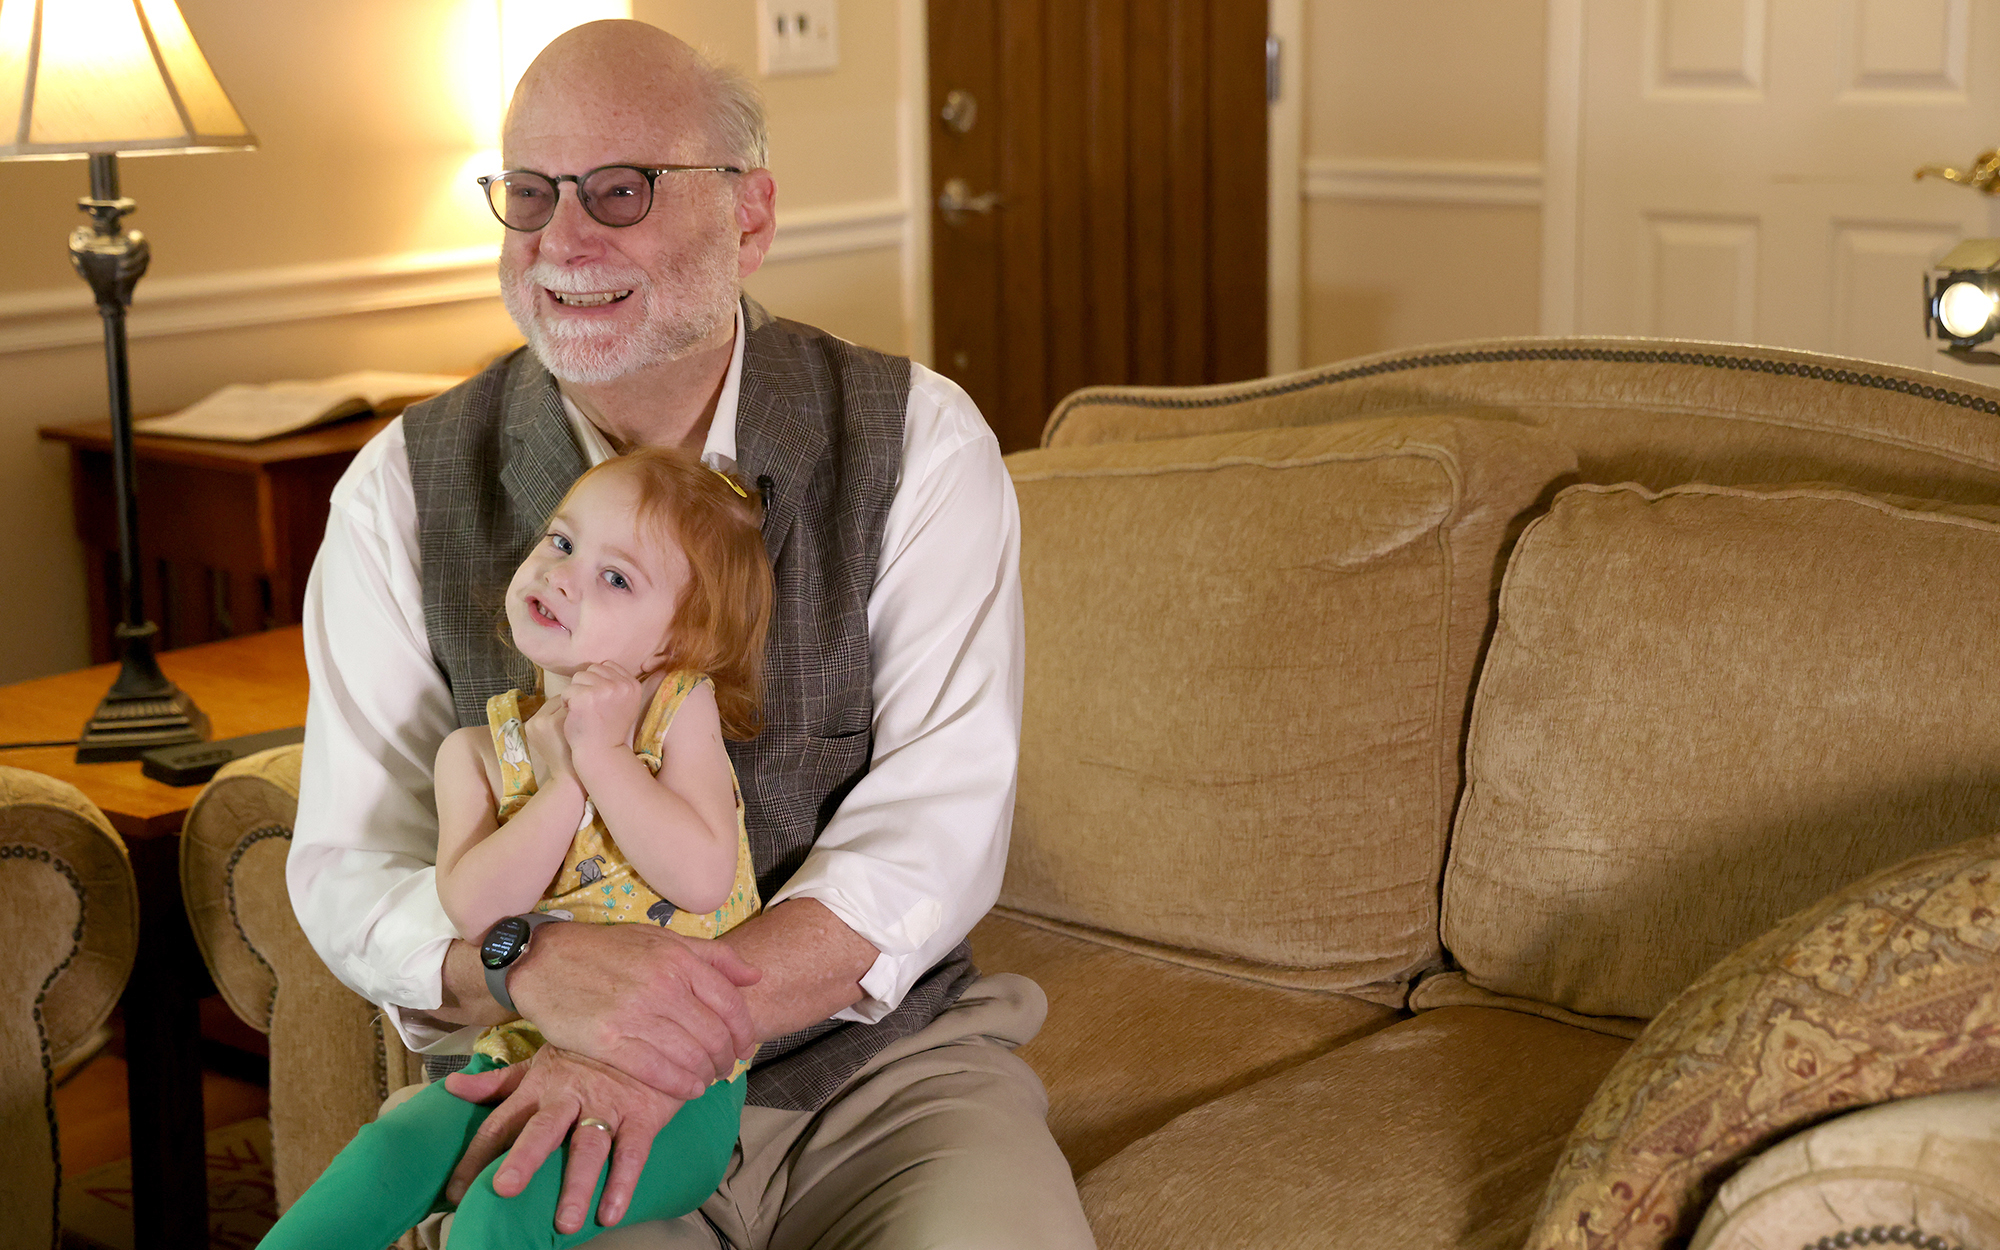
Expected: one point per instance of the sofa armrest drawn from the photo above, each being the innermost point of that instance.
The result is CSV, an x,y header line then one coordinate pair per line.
x,y
332,1058
67,890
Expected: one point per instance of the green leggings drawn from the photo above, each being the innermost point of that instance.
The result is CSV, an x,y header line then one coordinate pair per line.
x,y
393,1174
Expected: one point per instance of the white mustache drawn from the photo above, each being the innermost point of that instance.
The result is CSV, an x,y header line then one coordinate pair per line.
x,y
573,281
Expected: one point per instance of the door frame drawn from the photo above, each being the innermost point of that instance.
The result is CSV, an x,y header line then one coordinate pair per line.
x,y
1284,230
913,144
1562,138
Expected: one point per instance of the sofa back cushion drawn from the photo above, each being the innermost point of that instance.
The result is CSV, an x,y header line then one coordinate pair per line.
x,y
1705,709
1249,664
1655,412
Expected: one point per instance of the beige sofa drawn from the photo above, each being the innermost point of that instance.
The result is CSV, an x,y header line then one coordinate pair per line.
x,y
1400,737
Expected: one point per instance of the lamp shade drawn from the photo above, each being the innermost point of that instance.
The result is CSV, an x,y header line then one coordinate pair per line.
x,y
84,76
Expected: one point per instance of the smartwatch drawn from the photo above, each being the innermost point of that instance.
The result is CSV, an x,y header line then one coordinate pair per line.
x,y
503,946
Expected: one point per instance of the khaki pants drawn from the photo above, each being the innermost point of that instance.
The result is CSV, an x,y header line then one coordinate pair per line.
x,y
942,1140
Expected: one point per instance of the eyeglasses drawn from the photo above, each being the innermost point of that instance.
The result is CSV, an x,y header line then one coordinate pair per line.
x,y
616,195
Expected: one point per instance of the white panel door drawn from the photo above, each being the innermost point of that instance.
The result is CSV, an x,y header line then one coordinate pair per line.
x,y
1743,167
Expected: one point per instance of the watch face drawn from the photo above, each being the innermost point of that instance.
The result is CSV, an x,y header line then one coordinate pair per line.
x,y
503,942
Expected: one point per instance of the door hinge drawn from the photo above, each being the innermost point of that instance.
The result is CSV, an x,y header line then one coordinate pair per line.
x,y
1274,51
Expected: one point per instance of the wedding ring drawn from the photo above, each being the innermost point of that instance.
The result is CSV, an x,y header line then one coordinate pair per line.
x,y
591,1121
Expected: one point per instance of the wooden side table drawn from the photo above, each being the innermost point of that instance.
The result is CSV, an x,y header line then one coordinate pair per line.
x,y
227,531
246,685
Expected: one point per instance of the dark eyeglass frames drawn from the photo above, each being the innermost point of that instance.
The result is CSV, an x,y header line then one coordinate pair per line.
x,y
616,195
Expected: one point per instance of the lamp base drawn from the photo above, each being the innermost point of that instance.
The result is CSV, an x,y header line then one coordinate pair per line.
x,y
142,710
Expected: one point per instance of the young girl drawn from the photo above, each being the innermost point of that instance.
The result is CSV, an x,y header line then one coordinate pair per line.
x,y
607,798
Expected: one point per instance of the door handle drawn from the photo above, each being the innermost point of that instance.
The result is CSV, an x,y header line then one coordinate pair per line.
x,y
957,200
1983,176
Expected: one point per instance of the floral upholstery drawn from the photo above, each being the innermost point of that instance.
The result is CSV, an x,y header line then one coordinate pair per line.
x,y
1888,989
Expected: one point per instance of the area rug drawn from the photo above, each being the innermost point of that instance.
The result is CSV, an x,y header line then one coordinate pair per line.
x,y
242,1205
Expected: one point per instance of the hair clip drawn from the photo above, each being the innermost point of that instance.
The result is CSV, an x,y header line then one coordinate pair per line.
x,y
733,483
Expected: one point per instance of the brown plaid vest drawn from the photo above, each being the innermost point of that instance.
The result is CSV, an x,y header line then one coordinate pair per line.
x,y
822,420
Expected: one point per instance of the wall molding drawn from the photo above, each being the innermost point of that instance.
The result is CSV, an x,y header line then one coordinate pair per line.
x,y
65,317
1422,181
831,229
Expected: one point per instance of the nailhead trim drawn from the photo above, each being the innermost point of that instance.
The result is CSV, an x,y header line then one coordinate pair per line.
x,y
1435,360
42,855
1892,1234
251,839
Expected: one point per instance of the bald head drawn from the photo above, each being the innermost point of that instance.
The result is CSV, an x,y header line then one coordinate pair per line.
x,y
636,86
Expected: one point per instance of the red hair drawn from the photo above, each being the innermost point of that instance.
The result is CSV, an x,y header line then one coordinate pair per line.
x,y
725,609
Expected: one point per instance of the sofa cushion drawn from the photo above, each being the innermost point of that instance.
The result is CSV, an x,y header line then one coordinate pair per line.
x,y
1249,663
1435,1132
1918,1165
1888,989
1714,693
1200,1034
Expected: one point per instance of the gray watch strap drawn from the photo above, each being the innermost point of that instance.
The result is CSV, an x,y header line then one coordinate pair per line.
x,y
496,978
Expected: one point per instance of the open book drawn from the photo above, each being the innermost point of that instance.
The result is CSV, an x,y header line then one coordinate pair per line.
x,y
248,412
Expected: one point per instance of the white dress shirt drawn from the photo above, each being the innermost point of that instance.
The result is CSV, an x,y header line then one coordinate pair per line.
x,y
910,861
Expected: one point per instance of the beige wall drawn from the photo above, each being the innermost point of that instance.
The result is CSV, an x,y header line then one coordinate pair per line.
x,y
834,141
1423,135
833,135
371,115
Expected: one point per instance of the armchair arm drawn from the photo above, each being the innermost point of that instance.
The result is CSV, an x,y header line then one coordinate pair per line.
x,y
66,887
332,1059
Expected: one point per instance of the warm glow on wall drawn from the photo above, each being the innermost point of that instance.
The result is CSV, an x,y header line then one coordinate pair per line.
x,y
527,26
493,43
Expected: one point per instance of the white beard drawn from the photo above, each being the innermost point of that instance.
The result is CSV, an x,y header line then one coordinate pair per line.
x,y
680,309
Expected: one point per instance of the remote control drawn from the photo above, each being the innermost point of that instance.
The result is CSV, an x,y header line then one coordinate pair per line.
x,y
196,762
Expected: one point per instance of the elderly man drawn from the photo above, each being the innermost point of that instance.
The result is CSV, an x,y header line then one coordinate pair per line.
x,y
886,1107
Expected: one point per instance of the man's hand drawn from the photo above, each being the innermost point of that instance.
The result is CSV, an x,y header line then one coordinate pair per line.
x,y
604,702
545,1097
547,745
656,1006
642,1018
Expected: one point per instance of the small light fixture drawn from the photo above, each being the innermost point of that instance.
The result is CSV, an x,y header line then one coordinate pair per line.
x,y
1962,300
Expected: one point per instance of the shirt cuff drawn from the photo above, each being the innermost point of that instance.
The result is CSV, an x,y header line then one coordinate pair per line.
x,y
422,1038
902,961
879,993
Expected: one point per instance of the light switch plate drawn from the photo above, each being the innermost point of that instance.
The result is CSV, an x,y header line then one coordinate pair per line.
x,y
797,36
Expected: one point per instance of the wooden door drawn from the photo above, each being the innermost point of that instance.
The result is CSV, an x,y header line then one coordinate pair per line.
x,y
1745,167
1112,154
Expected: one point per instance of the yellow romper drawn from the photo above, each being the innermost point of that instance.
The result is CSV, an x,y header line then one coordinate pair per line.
x,y
596,884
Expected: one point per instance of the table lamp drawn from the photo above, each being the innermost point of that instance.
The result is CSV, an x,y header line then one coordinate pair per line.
x,y
95,78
